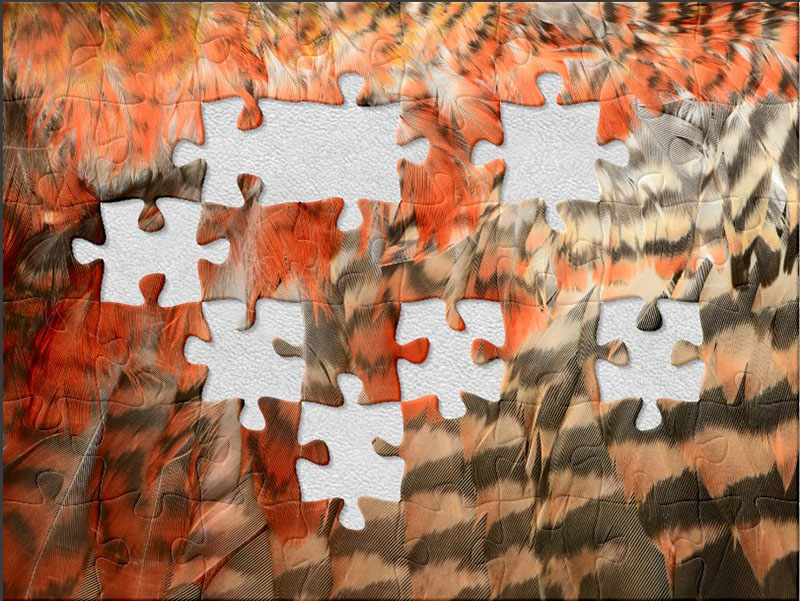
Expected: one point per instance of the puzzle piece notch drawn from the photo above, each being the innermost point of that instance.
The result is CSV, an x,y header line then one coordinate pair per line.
x,y
190,176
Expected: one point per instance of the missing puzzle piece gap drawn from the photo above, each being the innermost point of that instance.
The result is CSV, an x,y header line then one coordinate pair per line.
x,y
651,379
129,253
315,150
355,469
264,373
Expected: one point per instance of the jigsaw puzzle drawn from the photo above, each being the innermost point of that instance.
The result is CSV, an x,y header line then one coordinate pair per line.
x,y
123,480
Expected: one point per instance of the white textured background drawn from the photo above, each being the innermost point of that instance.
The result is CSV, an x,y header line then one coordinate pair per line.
x,y
306,151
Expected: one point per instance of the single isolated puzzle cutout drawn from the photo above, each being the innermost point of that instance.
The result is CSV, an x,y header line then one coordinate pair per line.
x,y
354,470
130,253
650,372
541,144
449,368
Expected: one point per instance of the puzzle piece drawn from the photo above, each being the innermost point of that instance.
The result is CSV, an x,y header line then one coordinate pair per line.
x,y
300,554
512,257
250,490
381,543
292,536
228,533
701,532
29,243
553,366
260,235
133,554
450,536
128,252
38,529
425,428
275,480
370,351
506,548
446,190
153,337
496,451
49,464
